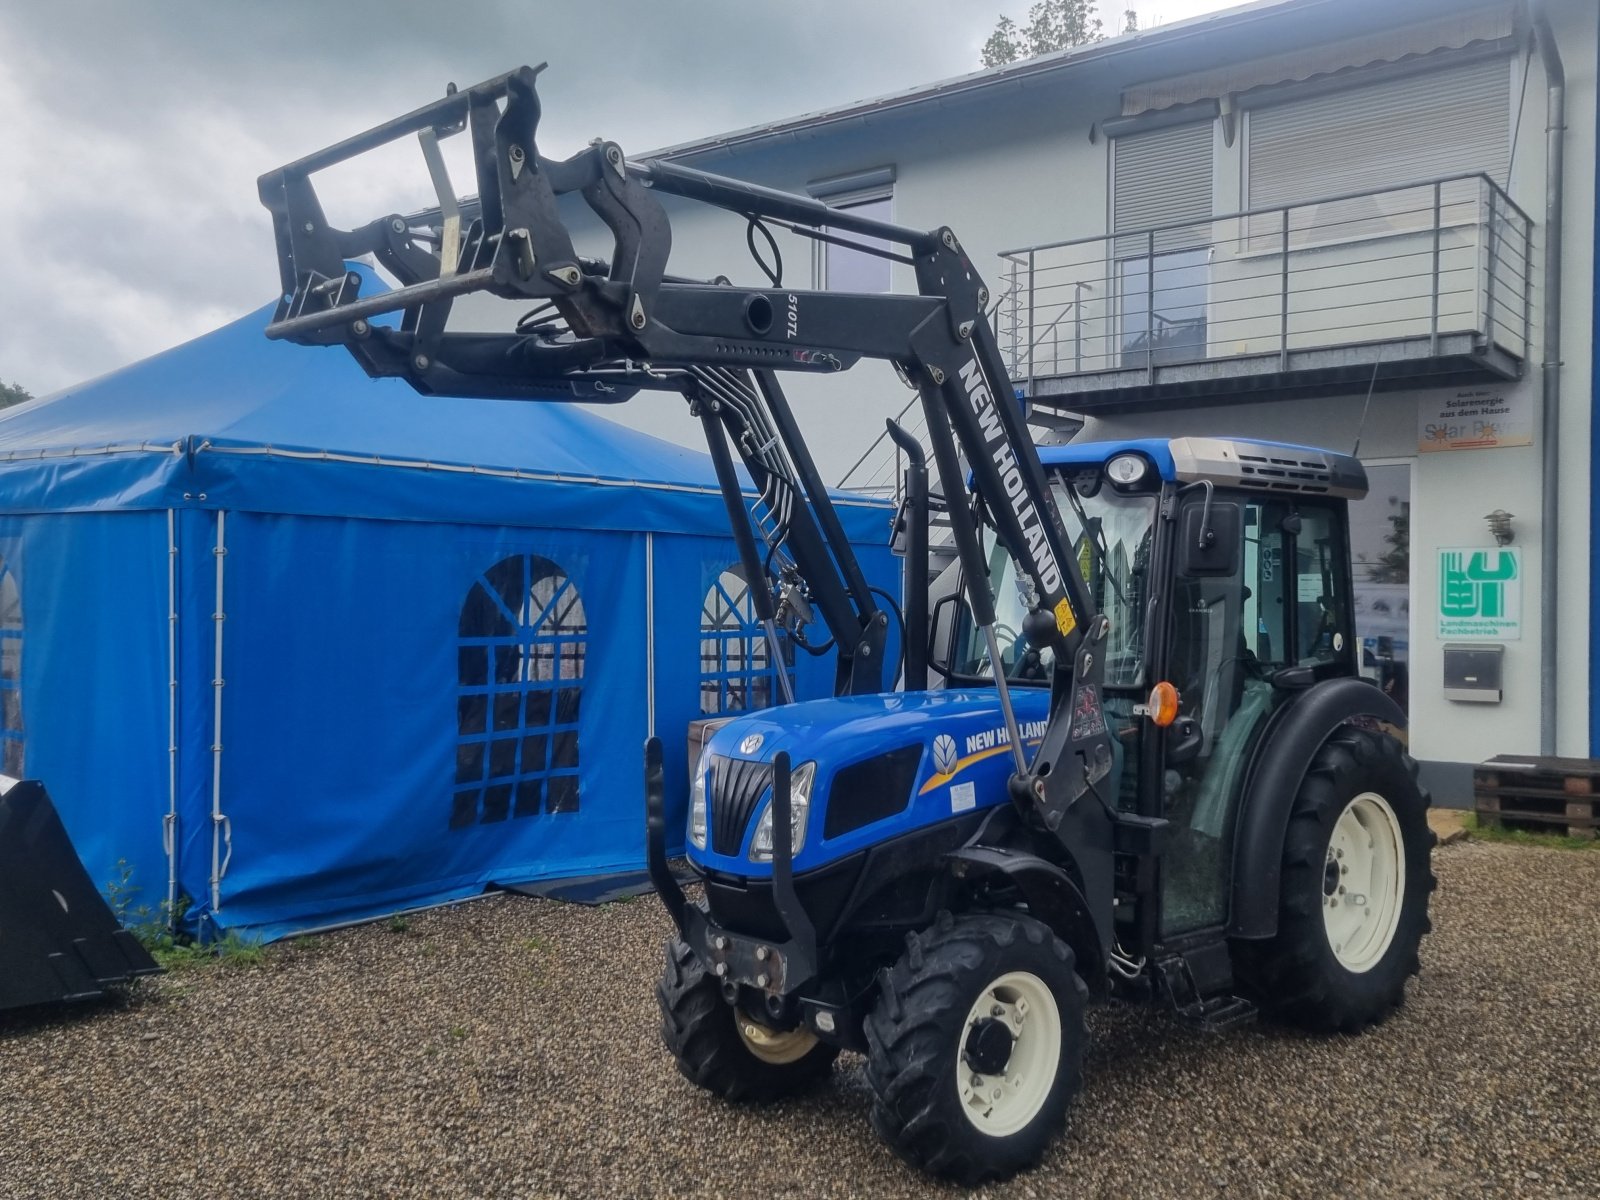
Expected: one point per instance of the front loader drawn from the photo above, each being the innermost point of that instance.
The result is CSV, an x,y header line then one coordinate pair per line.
x,y
1149,769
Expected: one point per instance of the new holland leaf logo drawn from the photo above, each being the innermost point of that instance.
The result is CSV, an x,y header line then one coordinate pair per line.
x,y
944,754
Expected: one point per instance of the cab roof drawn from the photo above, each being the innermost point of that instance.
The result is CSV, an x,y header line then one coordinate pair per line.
x,y
1240,462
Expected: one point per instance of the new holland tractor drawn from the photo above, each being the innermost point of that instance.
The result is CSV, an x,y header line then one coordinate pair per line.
x,y
1148,769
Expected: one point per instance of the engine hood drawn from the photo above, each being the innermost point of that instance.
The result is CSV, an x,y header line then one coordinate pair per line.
x,y
962,760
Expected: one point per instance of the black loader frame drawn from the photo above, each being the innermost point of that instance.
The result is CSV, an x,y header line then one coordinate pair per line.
x,y
622,325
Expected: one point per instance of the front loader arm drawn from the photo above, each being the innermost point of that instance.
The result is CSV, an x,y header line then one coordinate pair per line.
x,y
624,324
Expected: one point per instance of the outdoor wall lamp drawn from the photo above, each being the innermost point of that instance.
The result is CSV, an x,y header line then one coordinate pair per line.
x,y
1499,522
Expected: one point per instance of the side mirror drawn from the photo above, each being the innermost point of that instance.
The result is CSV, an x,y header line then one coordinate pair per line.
x,y
943,624
1209,539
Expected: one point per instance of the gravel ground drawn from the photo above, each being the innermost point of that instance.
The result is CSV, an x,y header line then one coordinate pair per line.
x,y
508,1048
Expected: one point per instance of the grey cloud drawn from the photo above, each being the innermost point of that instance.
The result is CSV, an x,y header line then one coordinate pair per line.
x,y
136,130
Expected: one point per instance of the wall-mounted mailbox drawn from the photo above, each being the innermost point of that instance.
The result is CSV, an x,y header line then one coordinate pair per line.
x,y
1472,673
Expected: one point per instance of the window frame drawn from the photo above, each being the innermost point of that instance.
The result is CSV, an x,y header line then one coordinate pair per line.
x,y
751,636
846,192
544,642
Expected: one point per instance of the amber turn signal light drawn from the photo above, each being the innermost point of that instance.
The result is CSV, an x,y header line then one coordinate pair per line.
x,y
1163,706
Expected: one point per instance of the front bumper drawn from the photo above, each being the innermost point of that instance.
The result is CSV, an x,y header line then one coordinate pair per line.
x,y
777,968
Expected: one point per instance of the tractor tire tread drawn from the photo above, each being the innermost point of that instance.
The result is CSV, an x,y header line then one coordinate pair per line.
x,y
697,1027
909,1045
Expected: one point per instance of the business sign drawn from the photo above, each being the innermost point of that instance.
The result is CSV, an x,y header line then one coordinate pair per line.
x,y
1480,594
1483,418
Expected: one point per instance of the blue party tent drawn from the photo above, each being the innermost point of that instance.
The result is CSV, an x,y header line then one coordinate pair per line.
x,y
299,647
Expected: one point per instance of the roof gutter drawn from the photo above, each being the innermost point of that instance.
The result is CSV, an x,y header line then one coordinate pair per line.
x,y
1550,373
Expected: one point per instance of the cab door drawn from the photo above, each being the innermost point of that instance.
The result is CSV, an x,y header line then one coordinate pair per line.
x,y
1283,603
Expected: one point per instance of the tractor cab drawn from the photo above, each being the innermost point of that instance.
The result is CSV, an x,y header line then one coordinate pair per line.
x,y
1223,568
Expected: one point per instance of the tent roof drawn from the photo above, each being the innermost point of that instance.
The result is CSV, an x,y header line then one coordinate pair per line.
x,y
233,420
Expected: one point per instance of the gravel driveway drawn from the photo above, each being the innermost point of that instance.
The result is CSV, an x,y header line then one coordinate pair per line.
x,y
508,1047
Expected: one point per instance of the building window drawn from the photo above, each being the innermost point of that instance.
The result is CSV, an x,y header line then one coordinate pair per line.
x,y
11,745
736,670
843,269
1384,135
523,636
1161,202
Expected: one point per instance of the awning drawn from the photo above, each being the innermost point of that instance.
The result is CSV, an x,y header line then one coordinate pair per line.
x,y
1494,23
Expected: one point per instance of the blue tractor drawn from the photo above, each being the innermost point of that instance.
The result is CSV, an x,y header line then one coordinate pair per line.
x,y
1147,767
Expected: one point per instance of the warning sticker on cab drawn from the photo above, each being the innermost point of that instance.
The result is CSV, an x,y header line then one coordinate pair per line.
x,y
1065,621
962,797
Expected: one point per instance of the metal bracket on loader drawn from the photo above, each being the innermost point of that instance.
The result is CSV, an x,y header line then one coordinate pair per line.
x,y
58,938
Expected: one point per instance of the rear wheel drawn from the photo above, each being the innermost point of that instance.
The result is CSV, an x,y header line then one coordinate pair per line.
x,y
975,1047
721,1049
1356,878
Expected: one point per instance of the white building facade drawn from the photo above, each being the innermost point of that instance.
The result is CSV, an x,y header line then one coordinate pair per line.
x,y
1329,222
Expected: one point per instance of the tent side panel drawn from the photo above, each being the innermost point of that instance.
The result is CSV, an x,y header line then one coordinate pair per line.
x,y
408,707
91,643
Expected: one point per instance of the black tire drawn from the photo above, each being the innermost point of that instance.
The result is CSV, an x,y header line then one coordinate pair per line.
x,y
1296,976
918,1027
701,1030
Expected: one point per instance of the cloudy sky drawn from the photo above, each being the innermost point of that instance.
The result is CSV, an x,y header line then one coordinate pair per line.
x,y
135,130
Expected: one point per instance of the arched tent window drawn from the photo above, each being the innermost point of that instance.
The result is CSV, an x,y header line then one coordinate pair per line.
x,y
523,635
736,671
10,674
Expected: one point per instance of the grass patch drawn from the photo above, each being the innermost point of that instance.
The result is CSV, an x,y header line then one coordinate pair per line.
x,y
175,952
1524,837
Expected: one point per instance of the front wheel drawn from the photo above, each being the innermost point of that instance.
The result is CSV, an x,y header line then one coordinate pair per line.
x,y
725,1051
1357,874
975,1046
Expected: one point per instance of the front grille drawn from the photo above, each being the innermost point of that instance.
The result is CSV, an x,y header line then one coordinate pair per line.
x,y
737,786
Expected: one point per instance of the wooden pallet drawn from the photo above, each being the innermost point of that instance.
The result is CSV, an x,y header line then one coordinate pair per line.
x,y
1541,795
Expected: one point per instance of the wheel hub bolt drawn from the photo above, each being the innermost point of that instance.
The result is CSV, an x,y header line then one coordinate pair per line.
x,y
997,1010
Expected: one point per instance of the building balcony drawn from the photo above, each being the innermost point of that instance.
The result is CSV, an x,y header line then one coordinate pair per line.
x,y
1418,286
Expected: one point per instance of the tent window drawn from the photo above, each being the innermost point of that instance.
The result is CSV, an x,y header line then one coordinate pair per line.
x,y
736,671
523,639
10,674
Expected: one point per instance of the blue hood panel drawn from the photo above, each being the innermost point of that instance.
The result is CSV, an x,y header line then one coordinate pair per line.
x,y
965,761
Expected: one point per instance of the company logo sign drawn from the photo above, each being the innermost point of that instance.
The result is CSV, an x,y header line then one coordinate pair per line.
x,y
944,754
751,743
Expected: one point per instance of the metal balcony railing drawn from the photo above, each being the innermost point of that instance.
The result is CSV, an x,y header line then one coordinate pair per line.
x,y
1436,270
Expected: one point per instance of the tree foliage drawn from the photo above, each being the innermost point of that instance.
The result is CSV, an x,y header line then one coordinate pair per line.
x,y
1052,25
13,393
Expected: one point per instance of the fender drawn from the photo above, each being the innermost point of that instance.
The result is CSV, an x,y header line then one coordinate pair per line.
x,y
1052,896
1288,745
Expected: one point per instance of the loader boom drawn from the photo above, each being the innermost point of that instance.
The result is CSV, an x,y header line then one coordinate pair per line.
x,y
605,330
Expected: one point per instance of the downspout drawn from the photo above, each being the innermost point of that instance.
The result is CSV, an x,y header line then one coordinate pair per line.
x,y
1594,457
1550,372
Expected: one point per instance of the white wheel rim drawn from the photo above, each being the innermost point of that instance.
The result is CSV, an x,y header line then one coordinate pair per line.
x,y
771,1046
1363,881
1000,1104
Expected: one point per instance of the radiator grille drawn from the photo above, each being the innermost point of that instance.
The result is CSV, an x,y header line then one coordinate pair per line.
x,y
737,786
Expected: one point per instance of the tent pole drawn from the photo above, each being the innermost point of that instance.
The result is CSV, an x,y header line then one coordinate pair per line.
x,y
650,633
221,830
169,825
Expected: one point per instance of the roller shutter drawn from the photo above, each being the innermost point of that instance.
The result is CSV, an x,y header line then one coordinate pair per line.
x,y
1162,178
1399,131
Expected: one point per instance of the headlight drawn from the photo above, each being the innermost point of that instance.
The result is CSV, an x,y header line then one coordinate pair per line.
x,y
697,802
799,809
1125,470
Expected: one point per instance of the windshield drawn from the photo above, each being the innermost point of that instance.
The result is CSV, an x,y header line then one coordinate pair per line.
x,y
1112,549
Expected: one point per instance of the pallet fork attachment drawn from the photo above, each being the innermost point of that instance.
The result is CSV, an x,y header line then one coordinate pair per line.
x,y
59,940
